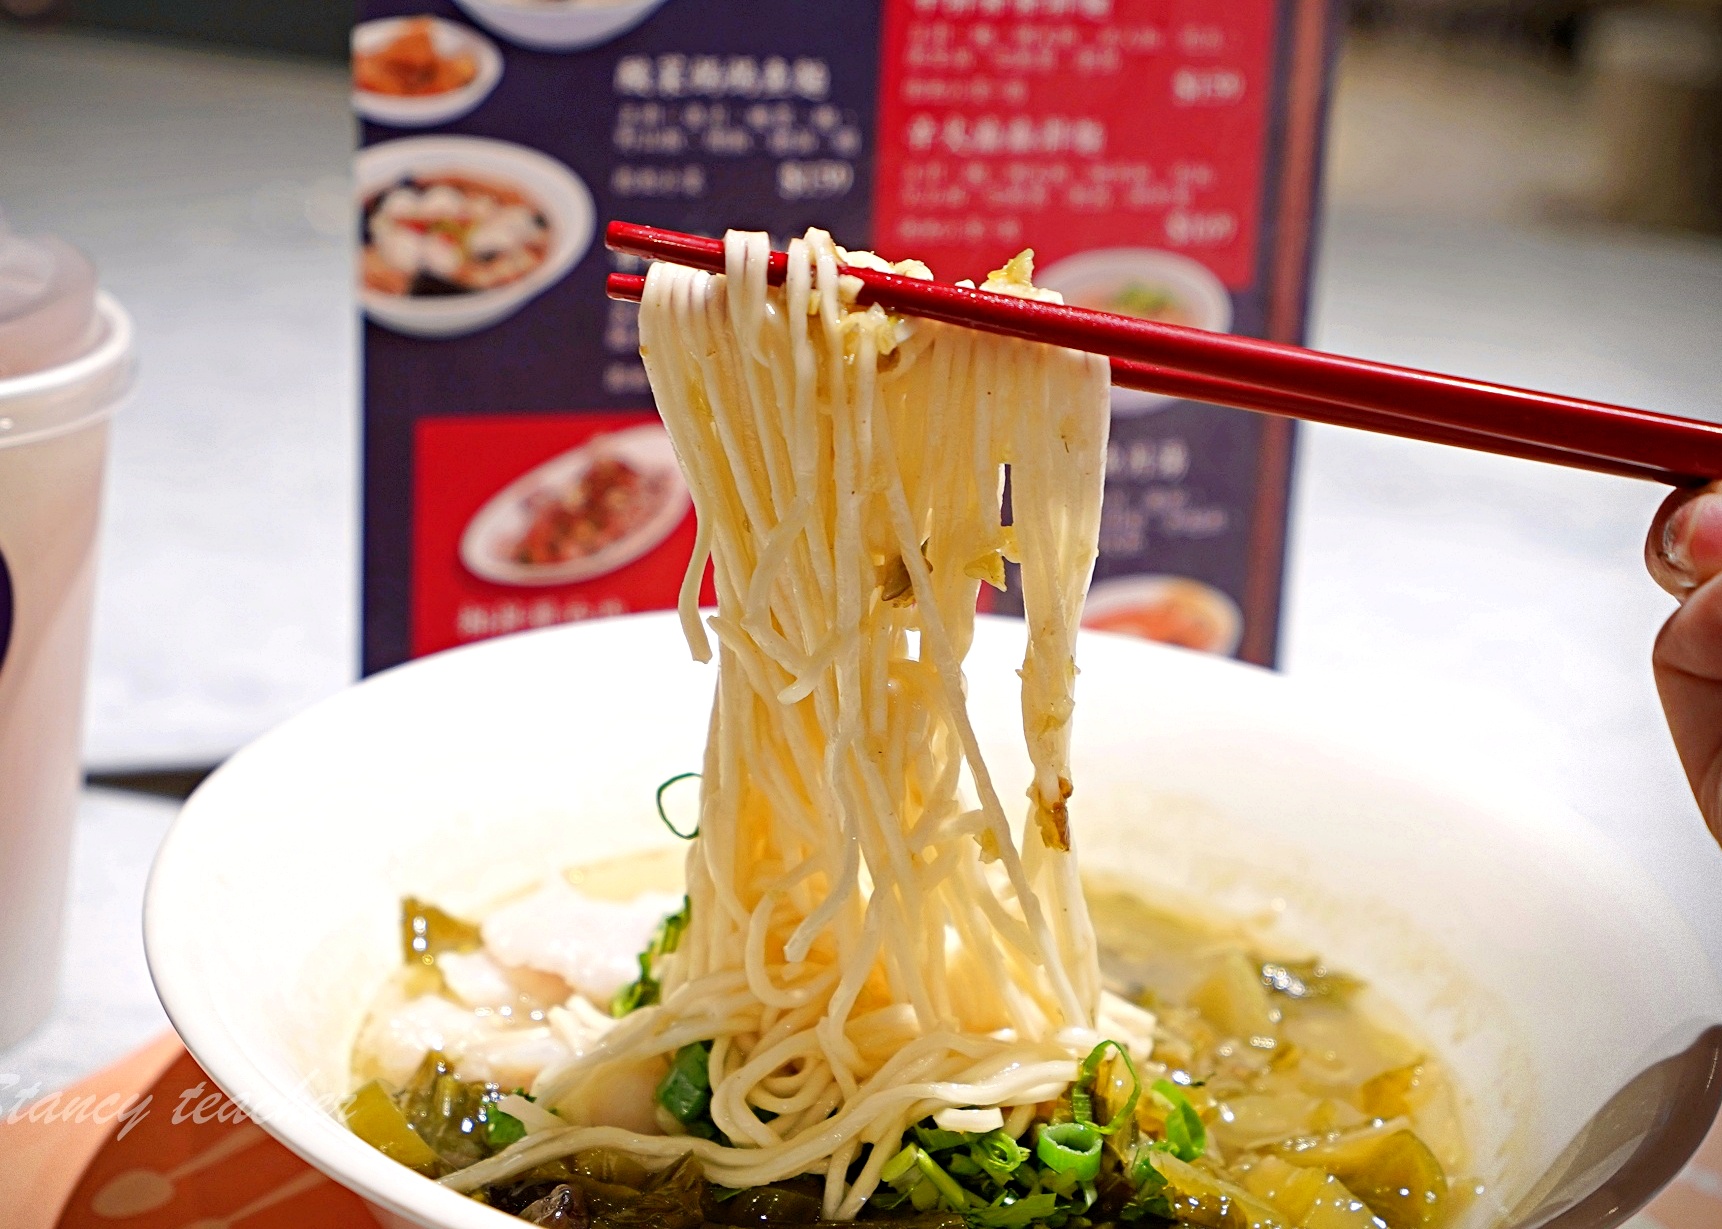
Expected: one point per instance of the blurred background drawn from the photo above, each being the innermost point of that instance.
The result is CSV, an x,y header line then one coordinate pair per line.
x,y
1527,191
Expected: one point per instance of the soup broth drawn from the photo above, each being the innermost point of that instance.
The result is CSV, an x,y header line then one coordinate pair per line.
x,y
1290,1097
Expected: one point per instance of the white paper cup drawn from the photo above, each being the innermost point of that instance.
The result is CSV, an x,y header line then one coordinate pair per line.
x,y
53,447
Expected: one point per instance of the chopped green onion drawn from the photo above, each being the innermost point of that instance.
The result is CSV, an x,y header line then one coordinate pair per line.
x,y
686,1090
1186,1136
899,1165
1070,1149
923,1196
1082,1092
502,1129
1015,1214
906,1172
686,836
954,1196
998,1154
963,1165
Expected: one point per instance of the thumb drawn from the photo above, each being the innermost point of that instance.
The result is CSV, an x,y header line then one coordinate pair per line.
x,y
1684,547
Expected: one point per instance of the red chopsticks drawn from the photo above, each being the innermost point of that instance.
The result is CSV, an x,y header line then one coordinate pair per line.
x,y
1274,378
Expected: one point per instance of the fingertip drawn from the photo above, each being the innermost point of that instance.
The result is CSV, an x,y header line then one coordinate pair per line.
x,y
1701,536
1684,547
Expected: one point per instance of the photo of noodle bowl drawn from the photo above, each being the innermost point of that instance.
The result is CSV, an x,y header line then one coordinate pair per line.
x,y
559,25
413,72
458,233
1169,609
1147,283
582,514
839,903
449,234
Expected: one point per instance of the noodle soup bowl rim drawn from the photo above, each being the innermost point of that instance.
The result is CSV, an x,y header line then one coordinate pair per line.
x,y
272,911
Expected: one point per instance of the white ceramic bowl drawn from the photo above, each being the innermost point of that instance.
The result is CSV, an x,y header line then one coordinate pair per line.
x,y
1534,957
1093,278
498,525
559,25
421,111
561,196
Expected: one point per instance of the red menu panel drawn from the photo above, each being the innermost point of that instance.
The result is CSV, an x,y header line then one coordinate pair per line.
x,y
1073,125
529,520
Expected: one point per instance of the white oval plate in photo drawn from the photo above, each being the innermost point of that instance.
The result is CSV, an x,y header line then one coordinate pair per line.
x,y
450,39
1172,610
559,25
487,546
1147,283
559,194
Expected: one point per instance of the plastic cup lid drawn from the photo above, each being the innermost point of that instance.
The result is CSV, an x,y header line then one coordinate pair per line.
x,y
66,355
47,303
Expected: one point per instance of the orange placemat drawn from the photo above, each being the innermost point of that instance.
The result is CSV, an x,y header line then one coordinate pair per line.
x,y
150,1143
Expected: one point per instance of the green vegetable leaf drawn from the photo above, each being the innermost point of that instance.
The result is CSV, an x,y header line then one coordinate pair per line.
x,y
645,990
1150,1197
686,1091
502,1129
937,1139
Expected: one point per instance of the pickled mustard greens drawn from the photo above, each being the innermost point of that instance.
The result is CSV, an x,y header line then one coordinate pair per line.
x,y
437,1123
1273,1100
427,932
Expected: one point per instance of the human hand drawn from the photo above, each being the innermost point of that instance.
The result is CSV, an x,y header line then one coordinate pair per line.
x,y
1684,554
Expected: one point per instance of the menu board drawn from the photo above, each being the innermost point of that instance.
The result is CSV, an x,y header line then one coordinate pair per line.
x,y
1160,157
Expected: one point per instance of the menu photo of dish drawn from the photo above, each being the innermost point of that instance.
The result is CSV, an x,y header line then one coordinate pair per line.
x,y
459,232
1150,284
529,520
581,514
414,72
1172,610
559,25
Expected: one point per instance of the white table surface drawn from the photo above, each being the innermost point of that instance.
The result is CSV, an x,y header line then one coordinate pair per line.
x,y
1497,610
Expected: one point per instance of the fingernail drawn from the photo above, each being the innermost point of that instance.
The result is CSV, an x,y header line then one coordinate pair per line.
x,y
1692,539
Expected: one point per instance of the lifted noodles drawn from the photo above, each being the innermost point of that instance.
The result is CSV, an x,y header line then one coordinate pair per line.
x,y
869,943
